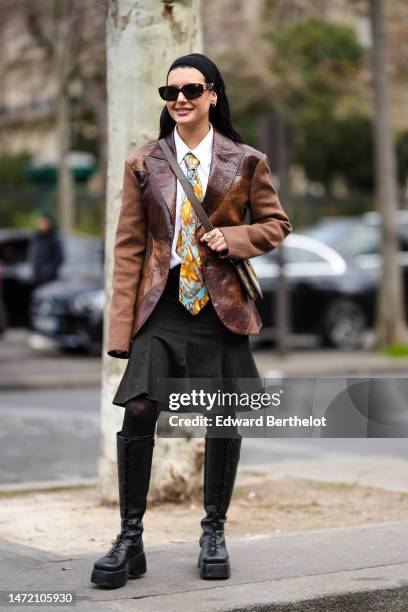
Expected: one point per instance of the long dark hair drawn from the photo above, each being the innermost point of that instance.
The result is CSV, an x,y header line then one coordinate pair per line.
x,y
219,115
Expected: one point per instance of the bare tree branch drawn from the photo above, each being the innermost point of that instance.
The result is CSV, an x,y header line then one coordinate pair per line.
x,y
33,18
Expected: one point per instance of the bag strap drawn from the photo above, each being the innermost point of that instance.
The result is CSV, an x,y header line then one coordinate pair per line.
x,y
188,190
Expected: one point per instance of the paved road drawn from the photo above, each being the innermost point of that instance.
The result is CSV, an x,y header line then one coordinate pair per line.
x,y
47,435
53,435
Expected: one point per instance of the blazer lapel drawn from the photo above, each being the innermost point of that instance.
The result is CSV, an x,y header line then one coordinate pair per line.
x,y
163,177
225,161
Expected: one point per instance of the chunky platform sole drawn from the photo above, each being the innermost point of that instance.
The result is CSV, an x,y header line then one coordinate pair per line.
x,y
213,570
134,567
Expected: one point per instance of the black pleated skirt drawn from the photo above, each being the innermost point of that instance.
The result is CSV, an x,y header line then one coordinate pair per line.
x,y
174,344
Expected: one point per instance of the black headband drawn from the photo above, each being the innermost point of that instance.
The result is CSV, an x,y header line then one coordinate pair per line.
x,y
204,65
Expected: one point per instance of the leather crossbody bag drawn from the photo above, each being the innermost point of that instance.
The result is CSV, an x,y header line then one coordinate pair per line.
x,y
244,268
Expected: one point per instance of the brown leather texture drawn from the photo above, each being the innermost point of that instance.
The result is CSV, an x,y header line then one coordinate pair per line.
x,y
239,176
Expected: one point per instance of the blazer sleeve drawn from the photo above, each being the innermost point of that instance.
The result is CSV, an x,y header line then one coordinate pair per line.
x,y
129,249
270,224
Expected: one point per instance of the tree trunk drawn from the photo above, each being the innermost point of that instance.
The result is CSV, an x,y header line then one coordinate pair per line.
x,y
390,323
143,39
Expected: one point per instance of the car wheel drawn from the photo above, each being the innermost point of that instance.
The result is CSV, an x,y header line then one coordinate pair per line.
x,y
344,324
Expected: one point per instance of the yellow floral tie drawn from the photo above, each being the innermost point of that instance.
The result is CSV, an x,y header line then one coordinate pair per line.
x,y
193,292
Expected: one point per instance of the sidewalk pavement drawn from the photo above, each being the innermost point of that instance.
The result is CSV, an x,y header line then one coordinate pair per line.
x,y
379,471
344,569
320,363
24,367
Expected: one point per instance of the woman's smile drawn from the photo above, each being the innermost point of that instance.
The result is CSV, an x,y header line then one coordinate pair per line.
x,y
183,111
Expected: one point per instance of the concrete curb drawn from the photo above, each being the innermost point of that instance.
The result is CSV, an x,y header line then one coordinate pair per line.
x,y
355,591
360,568
46,485
50,382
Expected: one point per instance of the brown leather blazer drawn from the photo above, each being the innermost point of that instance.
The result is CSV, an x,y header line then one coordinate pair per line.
x,y
239,176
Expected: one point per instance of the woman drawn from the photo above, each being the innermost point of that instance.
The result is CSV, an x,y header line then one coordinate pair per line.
x,y
178,308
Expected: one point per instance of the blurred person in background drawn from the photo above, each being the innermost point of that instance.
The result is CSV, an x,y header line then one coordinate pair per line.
x,y
47,253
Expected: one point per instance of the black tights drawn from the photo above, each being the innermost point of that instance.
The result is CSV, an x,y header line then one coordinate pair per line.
x,y
141,417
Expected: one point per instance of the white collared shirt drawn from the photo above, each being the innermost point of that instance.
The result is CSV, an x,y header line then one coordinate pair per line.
x,y
203,152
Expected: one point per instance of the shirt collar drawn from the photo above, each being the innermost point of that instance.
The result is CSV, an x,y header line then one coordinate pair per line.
x,y
203,151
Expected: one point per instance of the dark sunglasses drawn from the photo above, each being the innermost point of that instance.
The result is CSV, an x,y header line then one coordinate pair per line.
x,y
191,91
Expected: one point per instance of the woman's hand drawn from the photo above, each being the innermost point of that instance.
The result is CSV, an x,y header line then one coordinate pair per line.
x,y
215,240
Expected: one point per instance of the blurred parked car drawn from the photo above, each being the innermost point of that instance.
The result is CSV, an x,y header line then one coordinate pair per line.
x,y
16,274
3,315
359,236
69,311
332,272
70,314
84,259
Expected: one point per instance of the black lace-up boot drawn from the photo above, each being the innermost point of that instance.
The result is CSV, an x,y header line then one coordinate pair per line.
x,y
220,468
126,559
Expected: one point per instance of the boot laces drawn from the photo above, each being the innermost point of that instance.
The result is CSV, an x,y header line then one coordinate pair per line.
x,y
116,546
215,536
214,543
